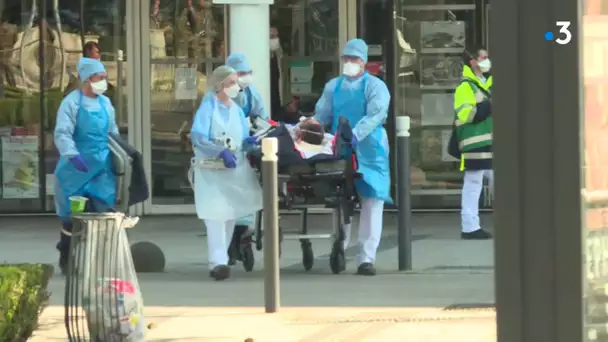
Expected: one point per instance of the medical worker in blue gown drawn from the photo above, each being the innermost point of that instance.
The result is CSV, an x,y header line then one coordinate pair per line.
x,y
225,186
251,102
364,100
84,120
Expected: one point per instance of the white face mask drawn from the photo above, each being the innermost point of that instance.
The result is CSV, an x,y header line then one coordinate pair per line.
x,y
99,87
232,91
351,69
485,65
274,44
245,81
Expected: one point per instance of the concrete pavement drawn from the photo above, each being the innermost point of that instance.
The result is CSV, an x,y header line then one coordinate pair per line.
x,y
185,305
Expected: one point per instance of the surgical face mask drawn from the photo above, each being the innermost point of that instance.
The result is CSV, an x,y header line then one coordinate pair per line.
x,y
351,69
99,87
485,65
232,91
274,44
245,81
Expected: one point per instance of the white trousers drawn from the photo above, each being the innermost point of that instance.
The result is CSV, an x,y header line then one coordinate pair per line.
x,y
370,229
219,234
471,190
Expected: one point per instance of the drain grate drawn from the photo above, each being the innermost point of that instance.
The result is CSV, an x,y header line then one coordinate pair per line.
x,y
437,315
470,306
472,268
447,267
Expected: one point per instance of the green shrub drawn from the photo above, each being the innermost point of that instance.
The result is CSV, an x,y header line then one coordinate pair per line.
x,y
23,296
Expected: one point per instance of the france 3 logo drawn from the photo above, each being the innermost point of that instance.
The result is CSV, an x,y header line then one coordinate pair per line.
x,y
563,36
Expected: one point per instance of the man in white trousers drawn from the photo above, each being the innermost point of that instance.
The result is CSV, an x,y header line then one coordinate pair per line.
x,y
363,100
473,134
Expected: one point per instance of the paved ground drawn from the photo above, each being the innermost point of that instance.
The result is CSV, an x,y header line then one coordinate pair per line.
x,y
185,305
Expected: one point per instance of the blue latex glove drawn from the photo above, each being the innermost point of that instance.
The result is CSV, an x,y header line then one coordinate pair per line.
x,y
354,142
79,163
251,141
229,158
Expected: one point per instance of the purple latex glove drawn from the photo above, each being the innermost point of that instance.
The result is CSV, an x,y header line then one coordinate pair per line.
x,y
229,159
251,141
79,163
354,142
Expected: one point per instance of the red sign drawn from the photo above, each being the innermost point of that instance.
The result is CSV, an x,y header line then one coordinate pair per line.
x,y
374,68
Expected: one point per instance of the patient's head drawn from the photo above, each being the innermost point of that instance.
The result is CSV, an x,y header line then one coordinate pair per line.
x,y
311,131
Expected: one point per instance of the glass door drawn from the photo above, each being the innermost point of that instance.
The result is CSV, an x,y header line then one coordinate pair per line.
x,y
311,33
41,43
430,38
185,42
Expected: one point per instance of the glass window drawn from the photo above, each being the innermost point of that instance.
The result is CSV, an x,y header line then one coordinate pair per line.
x,y
309,36
430,42
40,48
187,41
594,171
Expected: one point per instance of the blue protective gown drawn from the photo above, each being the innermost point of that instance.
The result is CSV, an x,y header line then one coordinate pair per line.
x,y
364,101
201,132
82,127
250,100
222,194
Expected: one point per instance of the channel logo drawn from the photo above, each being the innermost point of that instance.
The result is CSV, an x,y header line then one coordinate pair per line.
x,y
563,36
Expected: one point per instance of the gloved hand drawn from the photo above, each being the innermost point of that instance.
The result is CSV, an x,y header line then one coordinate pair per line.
x,y
79,163
354,142
229,158
251,141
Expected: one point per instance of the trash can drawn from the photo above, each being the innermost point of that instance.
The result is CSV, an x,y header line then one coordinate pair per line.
x,y
103,301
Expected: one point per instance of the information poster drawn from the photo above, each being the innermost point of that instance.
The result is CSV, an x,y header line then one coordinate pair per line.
x,y
445,140
443,35
20,167
440,72
437,109
185,84
300,77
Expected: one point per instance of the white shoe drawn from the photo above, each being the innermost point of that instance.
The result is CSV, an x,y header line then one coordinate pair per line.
x,y
129,221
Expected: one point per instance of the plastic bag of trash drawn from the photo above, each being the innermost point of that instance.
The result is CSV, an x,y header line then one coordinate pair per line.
x,y
111,298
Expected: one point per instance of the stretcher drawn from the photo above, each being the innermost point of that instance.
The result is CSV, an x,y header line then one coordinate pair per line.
x,y
322,181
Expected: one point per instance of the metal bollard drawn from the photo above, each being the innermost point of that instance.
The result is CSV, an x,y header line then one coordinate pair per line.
x,y
404,204
270,147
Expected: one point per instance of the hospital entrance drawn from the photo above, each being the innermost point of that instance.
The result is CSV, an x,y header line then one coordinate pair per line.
x,y
414,46
158,54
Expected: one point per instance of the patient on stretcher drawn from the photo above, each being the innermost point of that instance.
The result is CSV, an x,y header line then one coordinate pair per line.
x,y
311,140
308,144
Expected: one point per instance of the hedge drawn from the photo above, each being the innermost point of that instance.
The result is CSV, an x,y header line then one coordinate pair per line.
x,y
23,296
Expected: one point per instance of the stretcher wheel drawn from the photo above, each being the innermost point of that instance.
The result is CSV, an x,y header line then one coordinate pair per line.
x,y
308,256
248,258
337,261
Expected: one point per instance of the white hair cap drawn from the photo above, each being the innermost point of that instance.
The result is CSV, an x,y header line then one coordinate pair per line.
x,y
219,75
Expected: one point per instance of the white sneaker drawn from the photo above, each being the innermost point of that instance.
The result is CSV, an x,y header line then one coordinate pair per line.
x,y
129,221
